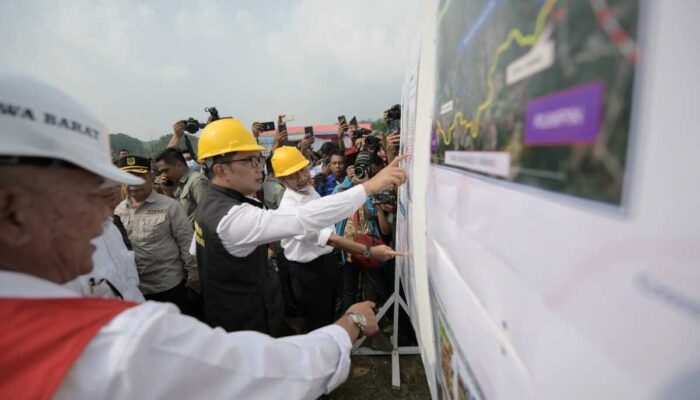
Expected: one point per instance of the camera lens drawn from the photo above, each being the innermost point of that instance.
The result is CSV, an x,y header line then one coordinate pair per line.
x,y
361,171
371,141
192,125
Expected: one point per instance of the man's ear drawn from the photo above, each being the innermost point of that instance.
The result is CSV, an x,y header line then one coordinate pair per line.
x,y
218,170
14,217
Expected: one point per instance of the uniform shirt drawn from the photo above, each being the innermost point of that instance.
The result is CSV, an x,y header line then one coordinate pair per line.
x,y
111,261
151,351
273,190
309,246
246,227
160,234
189,190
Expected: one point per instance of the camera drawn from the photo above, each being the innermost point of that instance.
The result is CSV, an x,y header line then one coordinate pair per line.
x,y
394,113
385,197
360,132
362,171
192,125
267,126
363,164
213,112
373,142
353,124
341,121
308,131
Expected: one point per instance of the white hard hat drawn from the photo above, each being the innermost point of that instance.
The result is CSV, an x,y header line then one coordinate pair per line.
x,y
38,120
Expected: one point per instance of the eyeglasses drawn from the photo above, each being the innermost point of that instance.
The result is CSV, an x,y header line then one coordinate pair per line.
x,y
255,162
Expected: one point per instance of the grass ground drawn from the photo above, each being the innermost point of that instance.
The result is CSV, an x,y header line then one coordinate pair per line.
x,y
370,378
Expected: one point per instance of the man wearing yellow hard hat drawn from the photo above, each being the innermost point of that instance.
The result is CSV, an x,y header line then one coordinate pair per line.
x,y
241,290
313,266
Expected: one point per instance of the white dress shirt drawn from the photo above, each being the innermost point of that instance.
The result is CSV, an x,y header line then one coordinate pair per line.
x,y
246,227
111,261
151,351
309,246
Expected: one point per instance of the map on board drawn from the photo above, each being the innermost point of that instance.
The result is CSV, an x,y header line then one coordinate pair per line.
x,y
537,92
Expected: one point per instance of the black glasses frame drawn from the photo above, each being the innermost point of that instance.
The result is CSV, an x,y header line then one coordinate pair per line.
x,y
255,162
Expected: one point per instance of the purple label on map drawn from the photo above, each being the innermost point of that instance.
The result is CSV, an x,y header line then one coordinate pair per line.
x,y
567,117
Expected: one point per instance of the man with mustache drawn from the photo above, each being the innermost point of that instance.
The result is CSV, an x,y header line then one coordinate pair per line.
x,y
313,263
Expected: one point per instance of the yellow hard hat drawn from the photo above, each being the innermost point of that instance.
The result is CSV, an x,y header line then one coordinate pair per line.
x,y
287,160
226,135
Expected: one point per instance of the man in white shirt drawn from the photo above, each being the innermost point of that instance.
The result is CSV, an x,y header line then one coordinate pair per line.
x,y
54,164
313,265
240,288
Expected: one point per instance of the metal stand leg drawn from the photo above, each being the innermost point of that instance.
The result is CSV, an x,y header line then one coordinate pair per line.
x,y
396,299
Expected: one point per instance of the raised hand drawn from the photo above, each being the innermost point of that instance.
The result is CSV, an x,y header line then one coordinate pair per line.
x,y
388,178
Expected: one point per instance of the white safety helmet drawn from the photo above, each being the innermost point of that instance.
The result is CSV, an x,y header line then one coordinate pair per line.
x,y
38,120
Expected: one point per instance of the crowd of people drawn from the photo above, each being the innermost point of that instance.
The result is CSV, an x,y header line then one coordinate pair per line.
x,y
235,272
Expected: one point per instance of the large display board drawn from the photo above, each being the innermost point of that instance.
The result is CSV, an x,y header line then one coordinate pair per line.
x,y
532,290
537,92
404,242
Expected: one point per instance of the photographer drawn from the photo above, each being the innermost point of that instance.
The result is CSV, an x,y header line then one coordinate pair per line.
x,y
188,184
365,224
392,141
190,125
357,139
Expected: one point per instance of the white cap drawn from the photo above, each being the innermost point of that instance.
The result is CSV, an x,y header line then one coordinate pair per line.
x,y
38,120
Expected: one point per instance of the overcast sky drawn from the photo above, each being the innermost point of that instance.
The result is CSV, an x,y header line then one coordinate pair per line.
x,y
141,65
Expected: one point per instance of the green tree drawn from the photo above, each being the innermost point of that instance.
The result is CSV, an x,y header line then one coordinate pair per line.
x,y
120,141
149,148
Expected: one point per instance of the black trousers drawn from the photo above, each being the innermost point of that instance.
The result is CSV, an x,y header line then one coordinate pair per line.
x,y
314,287
351,282
177,296
377,284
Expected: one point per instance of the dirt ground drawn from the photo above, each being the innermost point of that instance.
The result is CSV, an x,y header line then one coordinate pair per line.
x,y
370,378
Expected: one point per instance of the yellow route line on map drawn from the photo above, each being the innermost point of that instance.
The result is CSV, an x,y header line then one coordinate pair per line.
x,y
522,41
442,12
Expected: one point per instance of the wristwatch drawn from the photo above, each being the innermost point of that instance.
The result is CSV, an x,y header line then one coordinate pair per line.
x,y
358,319
368,251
